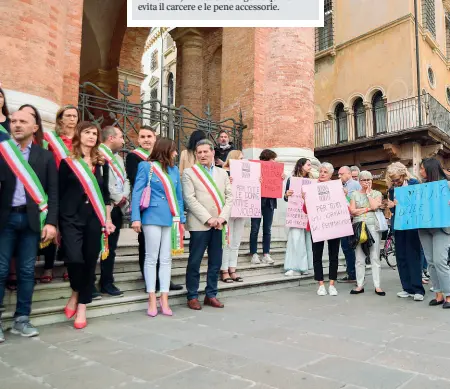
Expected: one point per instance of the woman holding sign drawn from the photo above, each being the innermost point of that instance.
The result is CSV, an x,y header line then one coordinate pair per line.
x,y
299,256
162,222
363,205
436,241
84,216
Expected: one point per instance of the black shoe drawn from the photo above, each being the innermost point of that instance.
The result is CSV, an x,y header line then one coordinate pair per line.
x,y
112,290
175,286
434,302
346,280
354,291
96,295
446,305
382,293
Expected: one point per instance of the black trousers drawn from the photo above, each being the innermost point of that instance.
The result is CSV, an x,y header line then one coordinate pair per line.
x,y
107,265
81,242
333,254
141,241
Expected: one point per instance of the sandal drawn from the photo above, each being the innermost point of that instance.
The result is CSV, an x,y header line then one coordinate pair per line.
x,y
46,278
227,280
66,276
236,279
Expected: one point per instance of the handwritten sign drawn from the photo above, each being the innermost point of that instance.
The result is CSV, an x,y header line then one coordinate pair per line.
x,y
246,188
272,179
295,217
422,206
328,213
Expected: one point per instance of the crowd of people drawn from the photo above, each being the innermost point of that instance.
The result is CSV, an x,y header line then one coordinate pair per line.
x,y
64,193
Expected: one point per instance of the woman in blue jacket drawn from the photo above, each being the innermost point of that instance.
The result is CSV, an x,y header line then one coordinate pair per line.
x,y
162,222
407,243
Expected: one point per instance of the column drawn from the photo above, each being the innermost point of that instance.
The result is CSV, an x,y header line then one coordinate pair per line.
x,y
189,87
40,49
269,74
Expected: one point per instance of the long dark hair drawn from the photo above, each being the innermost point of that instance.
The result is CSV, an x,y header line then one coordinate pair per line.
x,y
162,152
195,137
433,169
39,134
77,153
5,110
298,169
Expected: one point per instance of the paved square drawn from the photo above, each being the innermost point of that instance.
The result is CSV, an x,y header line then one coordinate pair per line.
x,y
289,338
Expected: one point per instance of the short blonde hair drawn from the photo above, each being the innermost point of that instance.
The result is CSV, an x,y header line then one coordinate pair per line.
x,y
365,174
396,169
233,154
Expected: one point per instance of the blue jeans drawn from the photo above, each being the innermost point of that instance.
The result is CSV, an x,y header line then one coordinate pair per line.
x,y
199,241
267,218
409,262
350,258
17,237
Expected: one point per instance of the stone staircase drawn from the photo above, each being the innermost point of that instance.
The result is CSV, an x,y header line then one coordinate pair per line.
x,y
50,299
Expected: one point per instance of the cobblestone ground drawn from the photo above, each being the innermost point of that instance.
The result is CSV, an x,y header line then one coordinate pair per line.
x,y
289,338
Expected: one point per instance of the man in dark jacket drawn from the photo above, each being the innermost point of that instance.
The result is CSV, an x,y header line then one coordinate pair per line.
x,y
20,214
224,148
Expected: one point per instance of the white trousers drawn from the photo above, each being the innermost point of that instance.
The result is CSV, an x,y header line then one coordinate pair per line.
x,y
299,256
157,243
231,251
360,263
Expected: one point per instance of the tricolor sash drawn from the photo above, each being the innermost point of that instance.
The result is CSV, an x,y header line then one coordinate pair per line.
x,y
112,160
59,149
169,188
25,173
213,190
142,153
2,129
90,186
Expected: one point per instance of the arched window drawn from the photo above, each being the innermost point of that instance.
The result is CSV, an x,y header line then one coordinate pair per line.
x,y
170,90
341,123
359,113
379,114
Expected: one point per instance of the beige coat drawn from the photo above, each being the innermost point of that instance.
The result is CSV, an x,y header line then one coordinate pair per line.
x,y
198,201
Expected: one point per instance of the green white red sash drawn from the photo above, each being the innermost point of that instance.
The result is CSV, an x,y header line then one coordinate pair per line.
x,y
169,188
113,163
213,190
59,149
142,153
25,173
90,186
2,129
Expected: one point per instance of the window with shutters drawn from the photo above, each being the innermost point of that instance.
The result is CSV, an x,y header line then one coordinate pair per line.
x,y
429,16
154,60
325,34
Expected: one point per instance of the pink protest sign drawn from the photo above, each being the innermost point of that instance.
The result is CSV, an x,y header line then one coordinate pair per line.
x,y
328,213
246,188
295,217
272,179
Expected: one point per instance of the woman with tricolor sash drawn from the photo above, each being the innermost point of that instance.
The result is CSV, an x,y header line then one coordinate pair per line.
x,y
162,221
84,216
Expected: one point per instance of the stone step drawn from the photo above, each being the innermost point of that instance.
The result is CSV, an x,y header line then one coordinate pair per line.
x,y
51,311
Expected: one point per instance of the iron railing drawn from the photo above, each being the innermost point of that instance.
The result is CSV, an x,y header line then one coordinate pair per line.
x,y
325,35
394,117
176,123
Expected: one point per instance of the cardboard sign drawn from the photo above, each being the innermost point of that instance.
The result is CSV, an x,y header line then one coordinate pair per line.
x,y
422,206
246,188
295,217
272,179
328,213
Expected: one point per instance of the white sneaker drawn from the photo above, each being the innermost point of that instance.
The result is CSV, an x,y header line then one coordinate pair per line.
x,y
418,297
332,290
267,259
256,260
322,291
403,294
431,289
290,273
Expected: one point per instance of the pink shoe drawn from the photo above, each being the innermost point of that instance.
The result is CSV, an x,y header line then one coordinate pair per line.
x,y
165,312
152,312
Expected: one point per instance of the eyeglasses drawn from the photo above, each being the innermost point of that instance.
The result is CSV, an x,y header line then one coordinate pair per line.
x,y
365,180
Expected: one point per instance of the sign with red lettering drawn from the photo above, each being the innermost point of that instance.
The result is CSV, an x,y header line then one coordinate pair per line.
x,y
272,179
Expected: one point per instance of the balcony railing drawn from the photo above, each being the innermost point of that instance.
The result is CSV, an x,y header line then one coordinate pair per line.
x,y
393,118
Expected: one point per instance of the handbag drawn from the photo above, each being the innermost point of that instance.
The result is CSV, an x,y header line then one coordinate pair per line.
x,y
146,194
382,223
363,234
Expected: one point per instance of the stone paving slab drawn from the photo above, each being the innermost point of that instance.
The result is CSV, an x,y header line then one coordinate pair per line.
x,y
282,339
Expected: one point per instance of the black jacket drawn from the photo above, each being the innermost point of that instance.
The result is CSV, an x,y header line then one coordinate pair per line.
x,y
44,166
72,197
131,166
223,154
